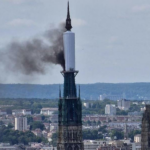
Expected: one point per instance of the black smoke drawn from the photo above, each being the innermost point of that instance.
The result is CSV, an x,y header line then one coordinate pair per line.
x,y
32,56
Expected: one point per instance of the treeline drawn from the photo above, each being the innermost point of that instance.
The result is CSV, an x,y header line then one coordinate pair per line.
x,y
7,135
34,105
95,107
138,91
98,107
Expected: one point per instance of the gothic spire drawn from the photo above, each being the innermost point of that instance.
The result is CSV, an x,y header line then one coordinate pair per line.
x,y
68,20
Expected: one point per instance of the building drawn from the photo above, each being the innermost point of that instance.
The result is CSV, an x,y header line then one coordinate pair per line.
x,y
110,109
21,123
86,105
7,146
91,144
37,118
70,106
137,138
110,145
136,146
26,111
49,148
135,113
102,97
143,109
107,147
16,112
3,112
123,104
48,111
136,103
53,126
145,134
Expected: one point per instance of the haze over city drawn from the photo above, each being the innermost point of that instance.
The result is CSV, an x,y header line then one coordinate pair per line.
x,y
112,37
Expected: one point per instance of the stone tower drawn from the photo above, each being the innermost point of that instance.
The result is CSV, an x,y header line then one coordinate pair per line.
x,y
145,134
70,106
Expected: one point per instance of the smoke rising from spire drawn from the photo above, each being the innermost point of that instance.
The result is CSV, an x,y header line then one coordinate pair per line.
x,y
32,57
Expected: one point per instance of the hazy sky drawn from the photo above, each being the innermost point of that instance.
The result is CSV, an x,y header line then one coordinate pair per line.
x,y
112,37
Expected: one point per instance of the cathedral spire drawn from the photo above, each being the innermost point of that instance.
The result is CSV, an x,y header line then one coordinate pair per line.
x,y
68,20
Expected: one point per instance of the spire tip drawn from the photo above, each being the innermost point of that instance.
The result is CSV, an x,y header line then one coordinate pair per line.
x,y
68,20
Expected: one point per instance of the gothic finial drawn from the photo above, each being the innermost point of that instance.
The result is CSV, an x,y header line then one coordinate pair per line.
x,y
68,20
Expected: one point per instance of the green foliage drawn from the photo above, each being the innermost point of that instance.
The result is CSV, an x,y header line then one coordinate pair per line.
x,y
34,104
118,134
37,124
102,129
9,110
1,123
121,112
29,119
98,122
15,136
97,107
133,133
43,117
135,107
89,122
131,90
91,135
10,126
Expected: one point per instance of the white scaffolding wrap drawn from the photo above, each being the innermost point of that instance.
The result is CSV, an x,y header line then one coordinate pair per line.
x,y
69,50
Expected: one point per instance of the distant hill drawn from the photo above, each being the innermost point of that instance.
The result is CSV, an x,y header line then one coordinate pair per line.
x,y
136,91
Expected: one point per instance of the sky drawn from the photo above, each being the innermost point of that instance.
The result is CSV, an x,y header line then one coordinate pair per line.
x,y
112,37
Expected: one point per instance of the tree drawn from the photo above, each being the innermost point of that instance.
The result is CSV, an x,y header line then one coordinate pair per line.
x,y
1,122
15,136
29,119
91,134
118,134
37,124
10,126
89,122
94,123
9,110
135,107
98,122
43,117
121,112
133,133
103,129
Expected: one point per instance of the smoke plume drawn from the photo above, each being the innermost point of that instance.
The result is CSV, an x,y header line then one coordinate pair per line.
x,y
31,57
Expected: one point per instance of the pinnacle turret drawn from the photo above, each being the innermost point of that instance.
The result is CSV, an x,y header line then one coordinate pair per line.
x,y
59,91
79,91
